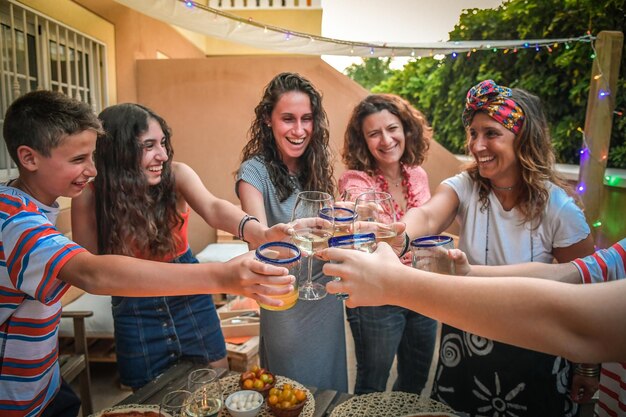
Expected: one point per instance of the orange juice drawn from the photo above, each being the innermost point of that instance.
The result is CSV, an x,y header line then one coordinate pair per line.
x,y
289,300
286,255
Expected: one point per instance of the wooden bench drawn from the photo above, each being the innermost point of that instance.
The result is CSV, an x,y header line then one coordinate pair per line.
x,y
76,364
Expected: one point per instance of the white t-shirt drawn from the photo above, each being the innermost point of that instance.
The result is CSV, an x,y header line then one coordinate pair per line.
x,y
507,239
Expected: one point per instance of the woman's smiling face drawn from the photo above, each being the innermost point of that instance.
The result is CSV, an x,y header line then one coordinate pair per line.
x,y
154,156
492,146
384,135
292,126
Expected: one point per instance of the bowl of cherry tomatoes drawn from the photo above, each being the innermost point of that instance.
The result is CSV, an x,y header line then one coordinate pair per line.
x,y
257,379
286,401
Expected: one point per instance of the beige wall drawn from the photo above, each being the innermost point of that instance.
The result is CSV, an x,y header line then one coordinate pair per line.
x,y
209,104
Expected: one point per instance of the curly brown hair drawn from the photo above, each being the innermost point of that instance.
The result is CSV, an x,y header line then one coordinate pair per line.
x,y
536,158
417,132
315,167
132,216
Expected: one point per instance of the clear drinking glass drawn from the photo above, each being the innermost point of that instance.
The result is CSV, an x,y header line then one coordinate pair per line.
x,y
350,194
311,234
286,255
365,242
343,218
174,403
430,253
375,213
206,393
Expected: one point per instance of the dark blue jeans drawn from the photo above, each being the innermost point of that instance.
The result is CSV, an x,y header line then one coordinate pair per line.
x,y
65,403
382,332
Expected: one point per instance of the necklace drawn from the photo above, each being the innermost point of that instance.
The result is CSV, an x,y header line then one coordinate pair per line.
x,y
502,188
530,233
409,193
395,181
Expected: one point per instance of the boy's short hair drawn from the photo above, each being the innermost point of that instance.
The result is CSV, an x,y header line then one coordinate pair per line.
x,y
41,119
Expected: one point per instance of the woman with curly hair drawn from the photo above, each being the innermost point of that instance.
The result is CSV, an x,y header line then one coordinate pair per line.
x,y
511,207
139,206
288,152
385,143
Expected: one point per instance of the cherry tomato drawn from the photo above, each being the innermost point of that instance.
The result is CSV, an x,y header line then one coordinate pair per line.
x,y
300,395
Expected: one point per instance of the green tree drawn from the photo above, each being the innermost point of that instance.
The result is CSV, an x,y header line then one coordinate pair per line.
x,y
370,72
560,77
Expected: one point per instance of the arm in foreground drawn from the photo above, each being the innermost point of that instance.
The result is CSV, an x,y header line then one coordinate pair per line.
x,y
539,314
126,276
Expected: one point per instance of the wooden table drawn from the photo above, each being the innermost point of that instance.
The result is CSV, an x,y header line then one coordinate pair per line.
x,y
176,378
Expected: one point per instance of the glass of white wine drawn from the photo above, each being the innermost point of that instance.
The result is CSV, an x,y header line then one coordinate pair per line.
x,y
375,213
311,233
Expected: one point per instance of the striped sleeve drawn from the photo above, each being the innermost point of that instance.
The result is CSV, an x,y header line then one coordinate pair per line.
x,y
604,265
253,172
35,251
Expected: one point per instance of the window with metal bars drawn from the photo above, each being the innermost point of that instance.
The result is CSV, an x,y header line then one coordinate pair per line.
x,y
37,52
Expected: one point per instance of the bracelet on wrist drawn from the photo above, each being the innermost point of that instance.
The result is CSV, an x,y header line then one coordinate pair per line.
x,y
590,370
242,224
405,249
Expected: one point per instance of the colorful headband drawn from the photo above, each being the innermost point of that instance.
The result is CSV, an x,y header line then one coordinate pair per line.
x,y
494,100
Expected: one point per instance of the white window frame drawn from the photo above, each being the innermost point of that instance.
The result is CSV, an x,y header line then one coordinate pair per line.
x,y
53,56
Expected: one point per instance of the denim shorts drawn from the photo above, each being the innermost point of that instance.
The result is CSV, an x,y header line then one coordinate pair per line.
x,y
152,333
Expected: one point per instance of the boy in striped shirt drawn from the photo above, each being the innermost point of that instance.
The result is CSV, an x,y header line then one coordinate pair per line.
x,y
52,138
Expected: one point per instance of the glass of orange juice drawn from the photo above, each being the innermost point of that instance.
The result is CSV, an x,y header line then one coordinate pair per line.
x,y
286,255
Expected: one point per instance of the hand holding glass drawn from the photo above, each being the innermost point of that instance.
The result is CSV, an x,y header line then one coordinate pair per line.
x,y
286,255
311,233
365,242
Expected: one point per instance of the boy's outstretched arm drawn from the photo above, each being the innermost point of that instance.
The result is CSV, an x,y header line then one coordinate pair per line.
x,y
127,276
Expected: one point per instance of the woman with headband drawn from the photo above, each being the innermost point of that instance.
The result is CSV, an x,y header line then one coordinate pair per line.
x,y
511,207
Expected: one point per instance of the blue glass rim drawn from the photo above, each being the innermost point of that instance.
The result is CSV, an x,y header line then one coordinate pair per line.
x,y
439,240
348,216
285,261
355,238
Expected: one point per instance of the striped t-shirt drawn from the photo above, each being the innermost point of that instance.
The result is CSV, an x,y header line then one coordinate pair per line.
x,y
608,265
32,252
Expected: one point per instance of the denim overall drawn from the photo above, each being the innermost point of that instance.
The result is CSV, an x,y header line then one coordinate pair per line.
x,y
152,333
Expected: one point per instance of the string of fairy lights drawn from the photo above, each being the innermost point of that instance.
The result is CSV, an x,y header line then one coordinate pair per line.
x,y
603,92
251,32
